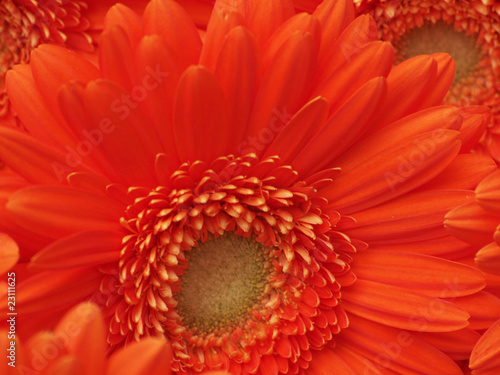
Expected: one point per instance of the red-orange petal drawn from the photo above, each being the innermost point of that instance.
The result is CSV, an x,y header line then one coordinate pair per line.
x,y
488,258
89,248
486,354
395,351
9,253
456,344
201,124
488,193
412,217
423,274
402,308
45,210
170,21
155,356
470,223
483,307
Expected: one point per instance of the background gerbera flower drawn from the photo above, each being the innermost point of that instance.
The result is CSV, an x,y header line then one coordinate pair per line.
x,y
267,200
468,30
479,222
25,24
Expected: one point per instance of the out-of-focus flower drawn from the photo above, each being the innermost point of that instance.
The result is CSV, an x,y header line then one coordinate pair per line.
x,y
271,199
468,30
77,346
25,24
479,223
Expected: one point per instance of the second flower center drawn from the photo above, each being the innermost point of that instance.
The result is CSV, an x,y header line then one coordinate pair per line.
x,y
441,37
225,278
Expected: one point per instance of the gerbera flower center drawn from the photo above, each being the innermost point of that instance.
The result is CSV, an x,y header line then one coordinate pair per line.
x,y
224,280
441,37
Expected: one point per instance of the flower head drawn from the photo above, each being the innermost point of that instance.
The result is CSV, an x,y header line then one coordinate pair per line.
x,y
468,30
26,24
270,199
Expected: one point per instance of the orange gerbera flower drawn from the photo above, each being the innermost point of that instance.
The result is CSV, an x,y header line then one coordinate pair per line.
x,y
26,23
270,200
479,222
468,30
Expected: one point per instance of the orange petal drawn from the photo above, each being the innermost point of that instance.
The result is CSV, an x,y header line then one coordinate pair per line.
x,y
457,344
488,193
374,60
413,217
392,172
488,258
464,172
423,274
157,70
444,78
340,361
201,125
239,66
155,356
293,137
55,66
170,21
402,308
285,87
483,307
470,223
60,211
342,128
221,23
474,124
334,17
116,57
127,19
9,253
35,161
90,248
51,290
263,17
486,354
32,109
83,328
395,351
116,126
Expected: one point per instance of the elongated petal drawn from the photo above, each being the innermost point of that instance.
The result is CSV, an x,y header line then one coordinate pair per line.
x,y
87,340
375,60
292,139
407,310
487,193
45,210
285,87
47,290
415,216
488,258
470,223
400,352
170,21
386,177
201,125
155,355
238,71
483,307
457,344
90,248
424,274
9,253
464,172
334,17
341,129
486,354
